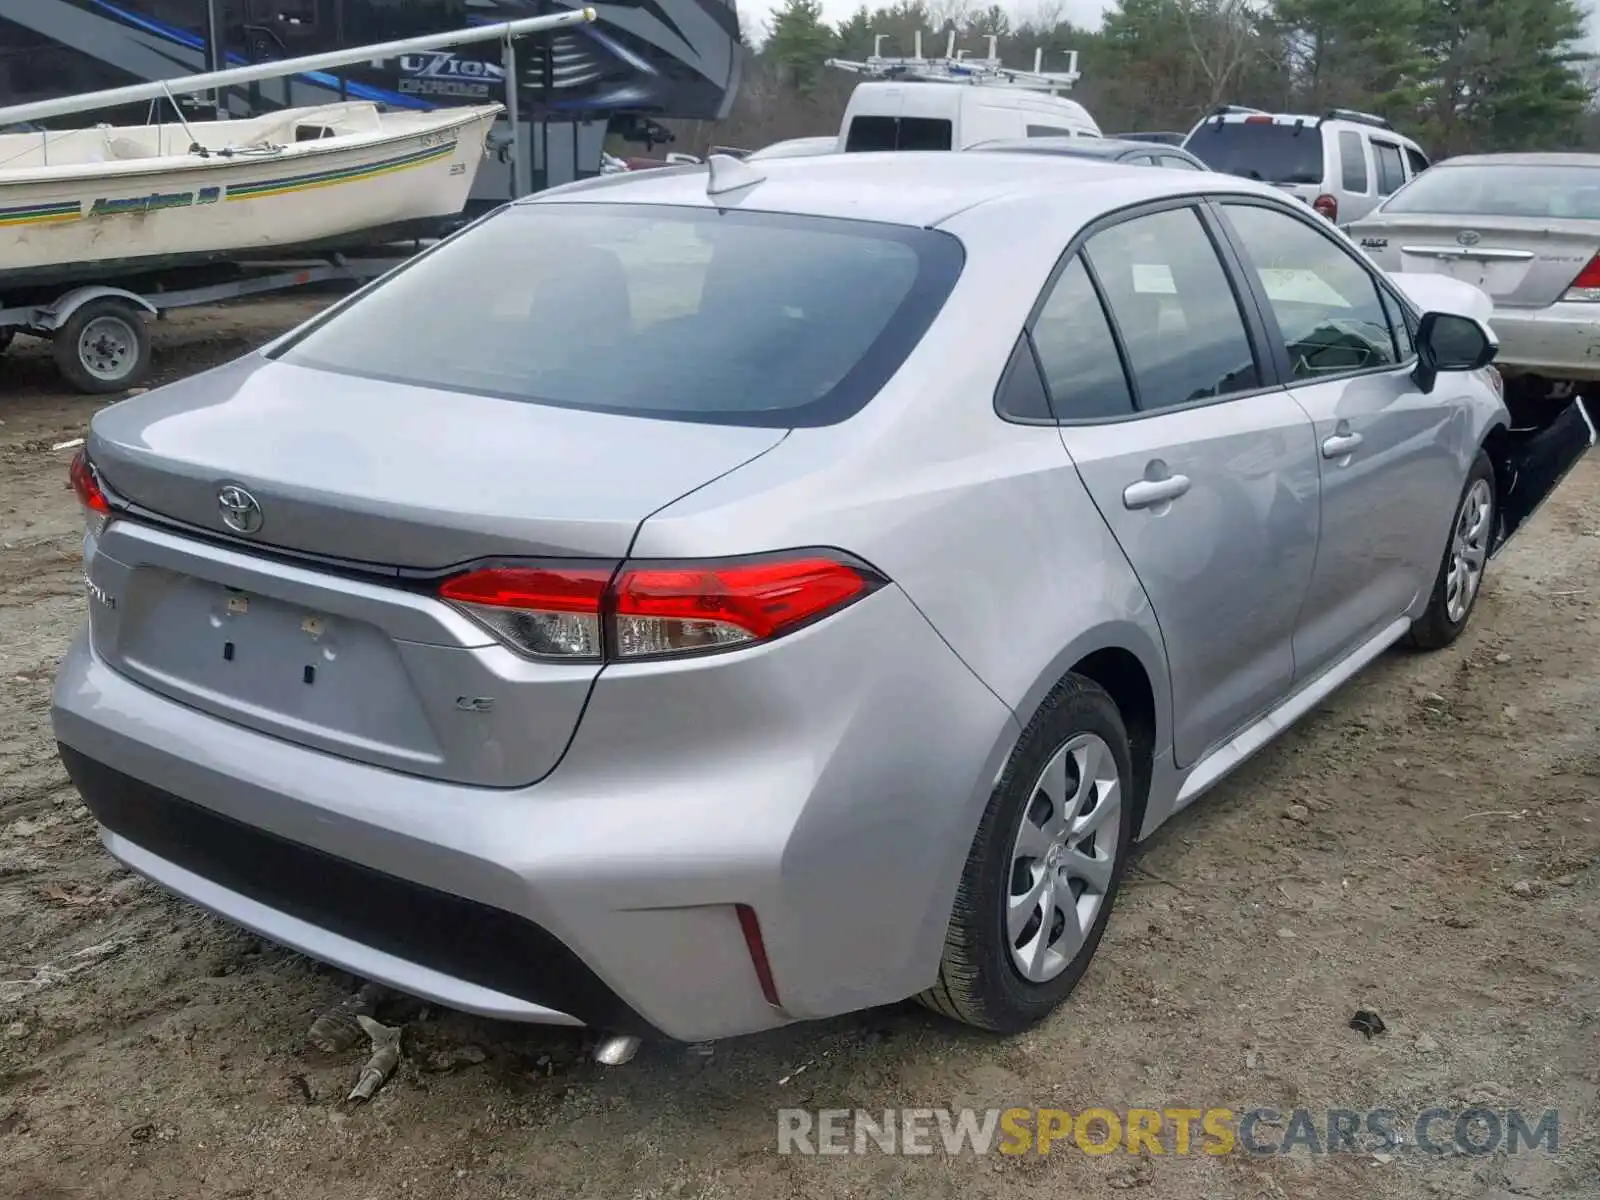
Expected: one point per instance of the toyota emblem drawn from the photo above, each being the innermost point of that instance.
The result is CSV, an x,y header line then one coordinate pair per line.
x,y
239,509
1467,237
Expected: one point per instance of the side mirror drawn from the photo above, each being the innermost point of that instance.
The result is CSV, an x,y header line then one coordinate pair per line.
x,y
1450,342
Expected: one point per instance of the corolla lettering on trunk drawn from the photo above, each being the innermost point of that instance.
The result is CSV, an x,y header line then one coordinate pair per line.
x,y
98,593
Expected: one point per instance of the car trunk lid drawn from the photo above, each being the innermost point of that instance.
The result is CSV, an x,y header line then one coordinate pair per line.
x,y
358,657
398,476
1521,262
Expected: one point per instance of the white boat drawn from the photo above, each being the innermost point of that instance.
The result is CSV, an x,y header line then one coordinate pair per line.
x,y
110,199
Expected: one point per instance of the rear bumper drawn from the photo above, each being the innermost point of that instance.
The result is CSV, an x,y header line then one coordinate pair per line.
x,y
1561,342
831,781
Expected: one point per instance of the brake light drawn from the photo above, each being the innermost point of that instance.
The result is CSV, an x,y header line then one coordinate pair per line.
x,y
591,613
1262,120
92,499
1327,205
1586,287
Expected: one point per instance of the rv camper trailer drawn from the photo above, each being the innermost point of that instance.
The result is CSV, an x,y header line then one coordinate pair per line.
x,y
643,60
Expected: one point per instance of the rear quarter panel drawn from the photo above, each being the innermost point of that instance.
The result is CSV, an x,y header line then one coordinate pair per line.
x,y
984,524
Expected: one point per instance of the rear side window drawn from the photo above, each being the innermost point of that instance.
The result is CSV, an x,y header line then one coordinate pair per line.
x,y
1175,309
1391,171
1352,161
1416,160
1077,353
898,133
1048,131
1259,149
737,318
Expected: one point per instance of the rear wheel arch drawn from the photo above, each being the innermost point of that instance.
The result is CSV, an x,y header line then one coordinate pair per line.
x,y
1121,673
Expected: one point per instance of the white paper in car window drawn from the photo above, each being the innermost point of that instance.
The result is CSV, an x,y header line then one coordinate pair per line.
x,y
1154,278
1293,285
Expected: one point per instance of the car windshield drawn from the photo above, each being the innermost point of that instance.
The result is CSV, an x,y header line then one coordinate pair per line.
x,y
1502,190
682,313
1260,150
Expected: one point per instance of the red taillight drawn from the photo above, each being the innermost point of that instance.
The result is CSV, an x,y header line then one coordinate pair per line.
x,y
86,485
650,610
1327,205
670,610
1261,120
1586,287
544,612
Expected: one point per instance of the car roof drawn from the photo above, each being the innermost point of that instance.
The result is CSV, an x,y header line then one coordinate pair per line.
x,y
1309,120
1529,158
920,188
1086,147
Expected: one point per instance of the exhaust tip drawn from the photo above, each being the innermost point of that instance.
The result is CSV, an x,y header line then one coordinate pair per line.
x,y
616,1050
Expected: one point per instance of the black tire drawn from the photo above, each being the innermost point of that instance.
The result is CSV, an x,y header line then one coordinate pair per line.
x,y
1436,628
979,984
112,362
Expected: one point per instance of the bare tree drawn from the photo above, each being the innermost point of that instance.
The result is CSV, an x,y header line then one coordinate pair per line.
x,y
1223,36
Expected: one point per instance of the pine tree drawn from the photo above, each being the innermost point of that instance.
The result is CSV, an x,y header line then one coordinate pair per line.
x,y
799,42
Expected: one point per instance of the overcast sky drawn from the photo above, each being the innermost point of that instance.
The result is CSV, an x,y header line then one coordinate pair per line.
x,y
1080,12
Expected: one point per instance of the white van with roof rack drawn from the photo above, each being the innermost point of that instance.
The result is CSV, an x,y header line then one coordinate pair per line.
x,y
1343,163
957,100
943,116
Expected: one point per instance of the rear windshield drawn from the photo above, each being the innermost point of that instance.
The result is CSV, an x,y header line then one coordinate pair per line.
x,y
1273,153
692,314
1502,190
898,133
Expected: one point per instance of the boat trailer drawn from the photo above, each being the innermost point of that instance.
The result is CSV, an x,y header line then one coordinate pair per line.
x,y
97,325
98,329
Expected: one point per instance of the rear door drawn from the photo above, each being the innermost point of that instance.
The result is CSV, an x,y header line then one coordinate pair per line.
x,y
1390,470
1208,474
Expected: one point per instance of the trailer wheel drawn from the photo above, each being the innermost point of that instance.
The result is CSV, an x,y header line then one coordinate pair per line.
x,y
104,346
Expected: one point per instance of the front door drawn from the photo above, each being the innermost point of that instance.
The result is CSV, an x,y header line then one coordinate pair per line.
x,y
1389,455
1209,479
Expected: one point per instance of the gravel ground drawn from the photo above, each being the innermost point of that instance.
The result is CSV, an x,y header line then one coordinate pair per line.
x,y
1422,846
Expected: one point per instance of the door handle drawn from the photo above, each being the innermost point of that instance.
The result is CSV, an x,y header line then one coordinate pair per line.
x,y
1148,493
1340,444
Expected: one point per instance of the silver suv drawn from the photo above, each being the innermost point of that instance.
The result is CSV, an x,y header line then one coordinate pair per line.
x,y
1342,163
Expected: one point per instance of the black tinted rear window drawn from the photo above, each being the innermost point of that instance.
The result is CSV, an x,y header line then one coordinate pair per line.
x,y
1502,190
681,313
1258,150
898,133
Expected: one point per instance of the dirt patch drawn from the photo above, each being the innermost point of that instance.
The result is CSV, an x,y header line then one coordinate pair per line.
x,y
1438,871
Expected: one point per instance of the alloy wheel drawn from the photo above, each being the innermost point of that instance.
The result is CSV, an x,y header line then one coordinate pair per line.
x,y
1064,858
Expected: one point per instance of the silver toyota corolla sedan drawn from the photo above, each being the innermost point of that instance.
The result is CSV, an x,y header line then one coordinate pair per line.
x,y
689,602
1524,228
